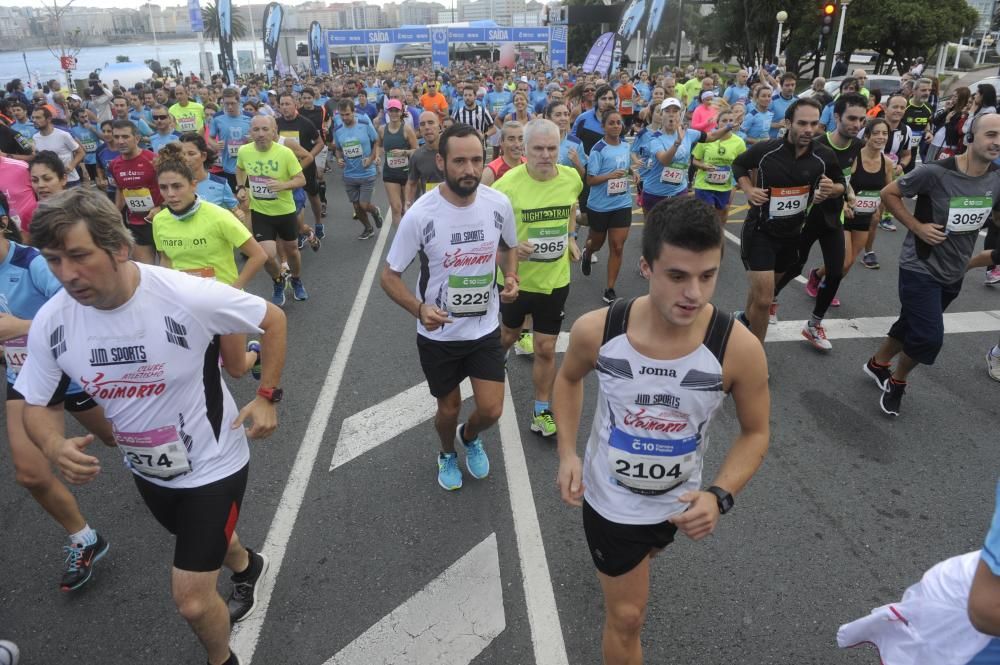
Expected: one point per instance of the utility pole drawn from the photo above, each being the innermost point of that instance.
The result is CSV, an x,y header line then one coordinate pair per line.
x,y
56,12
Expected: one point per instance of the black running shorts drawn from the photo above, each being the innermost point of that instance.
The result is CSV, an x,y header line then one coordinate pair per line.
x,y
272,227
618,548
74,402
142,234
763,252
203,518
447,364
546,310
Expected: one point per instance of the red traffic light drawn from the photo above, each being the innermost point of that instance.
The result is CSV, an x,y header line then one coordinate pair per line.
x,y
829,9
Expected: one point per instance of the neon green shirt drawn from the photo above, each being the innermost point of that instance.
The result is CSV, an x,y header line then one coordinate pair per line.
x,y
202,243
720,154
542,211
692,89
190,118
279,163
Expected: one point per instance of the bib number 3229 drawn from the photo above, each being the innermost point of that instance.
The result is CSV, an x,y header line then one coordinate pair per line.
x,y
470,296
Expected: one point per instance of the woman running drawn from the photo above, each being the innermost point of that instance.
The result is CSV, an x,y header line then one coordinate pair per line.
x,y
398,142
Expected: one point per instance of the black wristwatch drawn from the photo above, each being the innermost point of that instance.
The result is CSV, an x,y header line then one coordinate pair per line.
x,y
724,499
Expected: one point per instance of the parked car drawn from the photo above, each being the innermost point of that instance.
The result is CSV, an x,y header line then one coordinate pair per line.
x,y
882,82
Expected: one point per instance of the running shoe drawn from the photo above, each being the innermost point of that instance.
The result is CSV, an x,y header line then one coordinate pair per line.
x,y
320,232
278,297
993,365
835,302
298,291
476,460
886,224
892,397
544,424
879,373
379,220
314,242
992,276
869,260
243,600
816,335
449,475
525,345
302,240
594,258
585,262
80,560
772,314
610,296
812,285
367,233
253,346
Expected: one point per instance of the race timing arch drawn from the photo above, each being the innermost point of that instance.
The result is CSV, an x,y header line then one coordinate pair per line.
x,y
443,35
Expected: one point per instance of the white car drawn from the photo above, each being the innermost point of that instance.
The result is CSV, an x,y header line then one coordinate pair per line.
x,y
884,83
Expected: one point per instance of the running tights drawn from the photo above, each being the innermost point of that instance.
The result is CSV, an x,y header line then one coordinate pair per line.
x,y
831,243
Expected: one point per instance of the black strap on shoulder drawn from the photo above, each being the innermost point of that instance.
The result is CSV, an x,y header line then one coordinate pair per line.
x,y
717,335
616,321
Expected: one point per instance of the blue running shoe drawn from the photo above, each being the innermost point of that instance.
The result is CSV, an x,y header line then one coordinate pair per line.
x,y
320,233
449,475
298,291
254,347
476,460
278,298
80,560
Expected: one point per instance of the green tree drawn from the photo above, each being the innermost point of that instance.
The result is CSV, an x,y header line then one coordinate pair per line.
x,y
154,66
210,16
121,58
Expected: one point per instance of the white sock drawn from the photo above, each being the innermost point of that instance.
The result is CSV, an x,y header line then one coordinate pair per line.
x,y
85,536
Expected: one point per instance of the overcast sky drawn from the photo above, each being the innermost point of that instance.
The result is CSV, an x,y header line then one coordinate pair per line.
x,y
108,4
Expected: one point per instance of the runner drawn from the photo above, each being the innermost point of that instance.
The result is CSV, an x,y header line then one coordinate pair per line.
x,y
609,204
138,193
511,152
228,131
756,126
194,151
669,157
398,143
317,116
588,126
789,177
48,174
164,125
105,155
61,143
425,174
188,116
665,363
169,390
357,152
474,115
459,229
713,182
955,197
917,117
627,98
269,172
571,151
544,195
295,126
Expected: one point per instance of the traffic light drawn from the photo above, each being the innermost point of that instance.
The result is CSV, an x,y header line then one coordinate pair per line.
x,y
827,12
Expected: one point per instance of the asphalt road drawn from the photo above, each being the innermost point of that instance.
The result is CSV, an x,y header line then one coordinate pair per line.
x,y
849,508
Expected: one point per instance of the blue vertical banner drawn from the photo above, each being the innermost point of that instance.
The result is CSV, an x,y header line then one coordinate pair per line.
x,y
558,45
225,9
652,25
273,15
194,15
318,58
439,47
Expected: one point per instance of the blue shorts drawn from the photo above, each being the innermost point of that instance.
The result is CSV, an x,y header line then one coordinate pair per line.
x,y
920,326
716,199
299,196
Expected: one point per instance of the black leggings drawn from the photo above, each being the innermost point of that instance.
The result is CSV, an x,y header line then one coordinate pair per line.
x,y
992,238
831,243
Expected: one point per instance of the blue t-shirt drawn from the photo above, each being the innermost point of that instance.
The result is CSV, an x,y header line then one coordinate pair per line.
x,y
572,143
587,121
158,140
778,107
25,129
140,122
89,140
605,158
670,180
367,110
827,118
991,548
356,145
104,157
640,147
234,132
498,100
359,118
537,101
756,124
644,91
215,189
736,93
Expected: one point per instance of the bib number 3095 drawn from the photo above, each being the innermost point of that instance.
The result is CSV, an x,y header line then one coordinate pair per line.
x,y
651,465
158,453
968,213
470,296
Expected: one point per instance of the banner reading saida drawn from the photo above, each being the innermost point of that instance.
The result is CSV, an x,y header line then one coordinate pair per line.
x,y
656,8
318,59
273,16
225,8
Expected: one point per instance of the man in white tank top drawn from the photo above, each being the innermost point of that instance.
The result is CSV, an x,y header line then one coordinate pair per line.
x,y
665,363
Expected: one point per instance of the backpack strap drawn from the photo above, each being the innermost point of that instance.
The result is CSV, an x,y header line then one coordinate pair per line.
x,y
717,335
617,319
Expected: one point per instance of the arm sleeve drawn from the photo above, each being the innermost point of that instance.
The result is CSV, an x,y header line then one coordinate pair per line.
x,y
42,277
233,230
220,308
228,198
748,160
594,163
917,180
698,151
509,232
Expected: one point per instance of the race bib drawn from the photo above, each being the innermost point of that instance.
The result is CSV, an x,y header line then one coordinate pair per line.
x,y
207,272
719,175
15,352
866,202
89,144
353,150
138,200
549,243
470,296
673,174
397,161
233,148
158,453
651,465
259,188
617,186
788,201
914,140
290,134
187,124
627,104
968,213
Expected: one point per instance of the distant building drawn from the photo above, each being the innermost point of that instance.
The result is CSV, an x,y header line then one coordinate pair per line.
x,y
986,9
416,12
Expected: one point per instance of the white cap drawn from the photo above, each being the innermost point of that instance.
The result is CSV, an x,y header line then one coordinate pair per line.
x,y
671,101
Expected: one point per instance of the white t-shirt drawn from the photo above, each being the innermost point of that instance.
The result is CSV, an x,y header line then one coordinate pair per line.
x,y
63,144
153,366
458,249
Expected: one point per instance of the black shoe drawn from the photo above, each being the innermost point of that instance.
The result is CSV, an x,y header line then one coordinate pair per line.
x,y
585,262
892,398
366,234
878,373
302,240
243,600
80,560
610,296
233,660
378,218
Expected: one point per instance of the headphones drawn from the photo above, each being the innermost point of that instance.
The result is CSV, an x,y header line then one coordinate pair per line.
x,y
970,136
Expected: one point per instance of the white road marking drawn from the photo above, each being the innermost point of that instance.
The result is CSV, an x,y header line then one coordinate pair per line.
x,y
247,633
543,616
386,420
451,620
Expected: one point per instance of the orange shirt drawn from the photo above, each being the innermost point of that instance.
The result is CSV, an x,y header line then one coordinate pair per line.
x,y
436,102
625,94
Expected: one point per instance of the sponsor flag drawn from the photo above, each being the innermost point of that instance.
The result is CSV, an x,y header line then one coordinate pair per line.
x,y
273,16
228,63
318,59
656,8
599,58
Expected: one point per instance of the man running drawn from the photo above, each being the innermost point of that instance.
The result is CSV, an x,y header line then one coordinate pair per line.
x,y
228,131
917,117
955,199
293,125
425,172
543,194
511,152
665,363
175,422
164,125
189,116
357,152
138,190
60,142
458,229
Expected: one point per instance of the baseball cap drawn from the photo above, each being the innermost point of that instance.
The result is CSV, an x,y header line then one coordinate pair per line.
x,y
671,101
76,97
394,104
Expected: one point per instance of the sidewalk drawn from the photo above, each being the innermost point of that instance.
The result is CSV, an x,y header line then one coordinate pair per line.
x,y
969,78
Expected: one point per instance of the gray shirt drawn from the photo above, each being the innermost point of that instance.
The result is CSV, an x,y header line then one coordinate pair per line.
x,y
960,203
423,169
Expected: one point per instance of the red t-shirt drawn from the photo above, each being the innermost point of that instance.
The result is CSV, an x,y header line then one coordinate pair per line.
x,y
499,167
136,179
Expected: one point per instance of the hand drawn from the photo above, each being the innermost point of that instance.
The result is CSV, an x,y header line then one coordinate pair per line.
x,y
262,414
11,326
432,318
510,289
340,162
574,157
849,209
241,195
618,173
77,467
574,250
932,234
524,250
700,518
825,190
758,196
897,170
570,480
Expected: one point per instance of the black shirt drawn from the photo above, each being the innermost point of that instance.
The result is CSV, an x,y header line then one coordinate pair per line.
x,y
315,115
299,129
12,143
845,158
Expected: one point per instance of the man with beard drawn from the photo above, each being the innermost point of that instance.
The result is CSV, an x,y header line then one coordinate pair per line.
x,y
458,228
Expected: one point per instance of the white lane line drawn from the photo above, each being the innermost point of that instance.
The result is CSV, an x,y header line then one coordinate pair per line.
x,y
543,616
735,239
369,429
451,620
247,633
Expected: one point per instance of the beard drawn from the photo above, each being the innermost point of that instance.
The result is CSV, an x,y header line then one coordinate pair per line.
x,y
462,190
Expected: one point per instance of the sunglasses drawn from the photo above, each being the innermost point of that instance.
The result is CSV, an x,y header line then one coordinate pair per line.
x,y
160,117
590,89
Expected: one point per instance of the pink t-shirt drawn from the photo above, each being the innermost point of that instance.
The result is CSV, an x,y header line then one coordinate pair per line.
x,y
703,118
15,181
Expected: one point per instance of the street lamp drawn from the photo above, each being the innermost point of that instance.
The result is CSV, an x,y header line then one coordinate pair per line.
x,y
840,30
780,17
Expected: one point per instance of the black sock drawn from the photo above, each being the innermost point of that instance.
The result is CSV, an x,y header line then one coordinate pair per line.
x,y
251,569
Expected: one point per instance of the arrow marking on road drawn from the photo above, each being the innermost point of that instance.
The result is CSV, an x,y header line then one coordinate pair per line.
x,y
450,621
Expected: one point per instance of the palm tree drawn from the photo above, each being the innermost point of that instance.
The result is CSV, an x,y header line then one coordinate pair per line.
x,y
210,16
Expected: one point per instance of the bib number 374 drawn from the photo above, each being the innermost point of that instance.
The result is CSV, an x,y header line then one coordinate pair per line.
x,y
158,453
